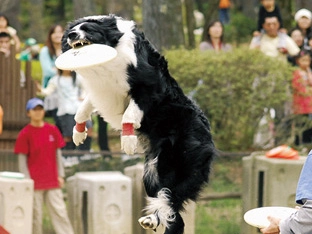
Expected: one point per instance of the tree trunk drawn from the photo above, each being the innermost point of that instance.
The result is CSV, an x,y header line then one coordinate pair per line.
x,y
303,4
36,26
84,8
162,23
123,8
249,9
286,10
190,22
11,9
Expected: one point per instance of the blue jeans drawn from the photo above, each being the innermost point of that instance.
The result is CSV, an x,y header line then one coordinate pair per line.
x,y
224,15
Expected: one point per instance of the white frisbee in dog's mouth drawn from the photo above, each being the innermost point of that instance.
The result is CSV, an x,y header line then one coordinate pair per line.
x,y
85,56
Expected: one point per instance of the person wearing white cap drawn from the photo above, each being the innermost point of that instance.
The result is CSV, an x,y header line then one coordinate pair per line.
x,y
303,22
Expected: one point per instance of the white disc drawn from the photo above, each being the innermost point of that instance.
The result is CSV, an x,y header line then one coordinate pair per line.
x,y
258,217
85,56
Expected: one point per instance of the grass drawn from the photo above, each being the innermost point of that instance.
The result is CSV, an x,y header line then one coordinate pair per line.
x,y
218,217
221,216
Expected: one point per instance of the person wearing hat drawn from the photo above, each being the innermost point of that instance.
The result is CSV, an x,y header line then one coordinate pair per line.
x,y
303,22
38,147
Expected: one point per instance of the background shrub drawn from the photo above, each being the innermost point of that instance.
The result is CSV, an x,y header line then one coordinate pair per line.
x,y
233,89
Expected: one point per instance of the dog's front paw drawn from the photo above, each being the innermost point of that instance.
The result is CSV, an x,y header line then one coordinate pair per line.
x,y
79,137
149,222
129,144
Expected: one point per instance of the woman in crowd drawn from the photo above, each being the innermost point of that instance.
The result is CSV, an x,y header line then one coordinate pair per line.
x,y
214,38
303,22
47,57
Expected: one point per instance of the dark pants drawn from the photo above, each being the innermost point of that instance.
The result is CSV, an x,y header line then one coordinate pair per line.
x,y
224,15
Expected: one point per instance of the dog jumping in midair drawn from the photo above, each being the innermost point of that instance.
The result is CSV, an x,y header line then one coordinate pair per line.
x,y
135,93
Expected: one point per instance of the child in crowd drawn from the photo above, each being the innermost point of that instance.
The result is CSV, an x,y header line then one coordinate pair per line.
x,y
302,92
38,146
5,46
269,8
68,87
5,27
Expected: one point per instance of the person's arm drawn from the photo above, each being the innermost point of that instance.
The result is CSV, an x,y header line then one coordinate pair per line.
x,y
254,44
291,46
22,165
60,167
47,65
48,90
299,222
1,119
17,43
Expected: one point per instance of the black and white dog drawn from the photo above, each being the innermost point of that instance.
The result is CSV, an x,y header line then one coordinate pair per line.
x,y
136,94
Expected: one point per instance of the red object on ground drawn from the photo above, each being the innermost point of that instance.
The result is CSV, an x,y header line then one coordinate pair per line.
x,y
282,151
3,231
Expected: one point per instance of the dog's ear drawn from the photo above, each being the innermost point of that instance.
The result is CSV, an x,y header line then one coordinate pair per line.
x,y
110,29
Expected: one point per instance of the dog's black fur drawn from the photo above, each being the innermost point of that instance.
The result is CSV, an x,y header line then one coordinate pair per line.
x,y
177,131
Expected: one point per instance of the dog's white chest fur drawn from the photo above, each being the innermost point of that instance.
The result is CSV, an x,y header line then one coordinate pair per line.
x,y
107,91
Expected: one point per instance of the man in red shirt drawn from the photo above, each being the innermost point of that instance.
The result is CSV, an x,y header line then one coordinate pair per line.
x,y
38,146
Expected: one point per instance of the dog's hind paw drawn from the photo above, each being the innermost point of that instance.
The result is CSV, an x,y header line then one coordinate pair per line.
x,y
149,222
129,144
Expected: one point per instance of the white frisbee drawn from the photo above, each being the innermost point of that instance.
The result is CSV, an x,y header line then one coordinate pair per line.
x,y
258,217
85,56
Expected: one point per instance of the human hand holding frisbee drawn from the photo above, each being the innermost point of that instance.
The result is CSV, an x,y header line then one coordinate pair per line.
x,y
85,56
258,217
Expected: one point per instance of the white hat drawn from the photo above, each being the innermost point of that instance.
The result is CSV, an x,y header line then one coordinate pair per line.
x,y
303,13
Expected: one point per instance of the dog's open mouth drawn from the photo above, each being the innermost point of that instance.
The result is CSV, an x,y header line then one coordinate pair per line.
x,y
79,43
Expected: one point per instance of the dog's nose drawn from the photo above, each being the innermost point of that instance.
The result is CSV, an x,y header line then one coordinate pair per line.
x,y
73,35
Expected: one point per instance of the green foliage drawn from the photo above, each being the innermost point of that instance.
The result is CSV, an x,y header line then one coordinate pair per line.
x,y
240,28
236,88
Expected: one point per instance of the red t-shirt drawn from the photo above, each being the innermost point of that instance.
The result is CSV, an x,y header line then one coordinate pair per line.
x,y
40,145
302,95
